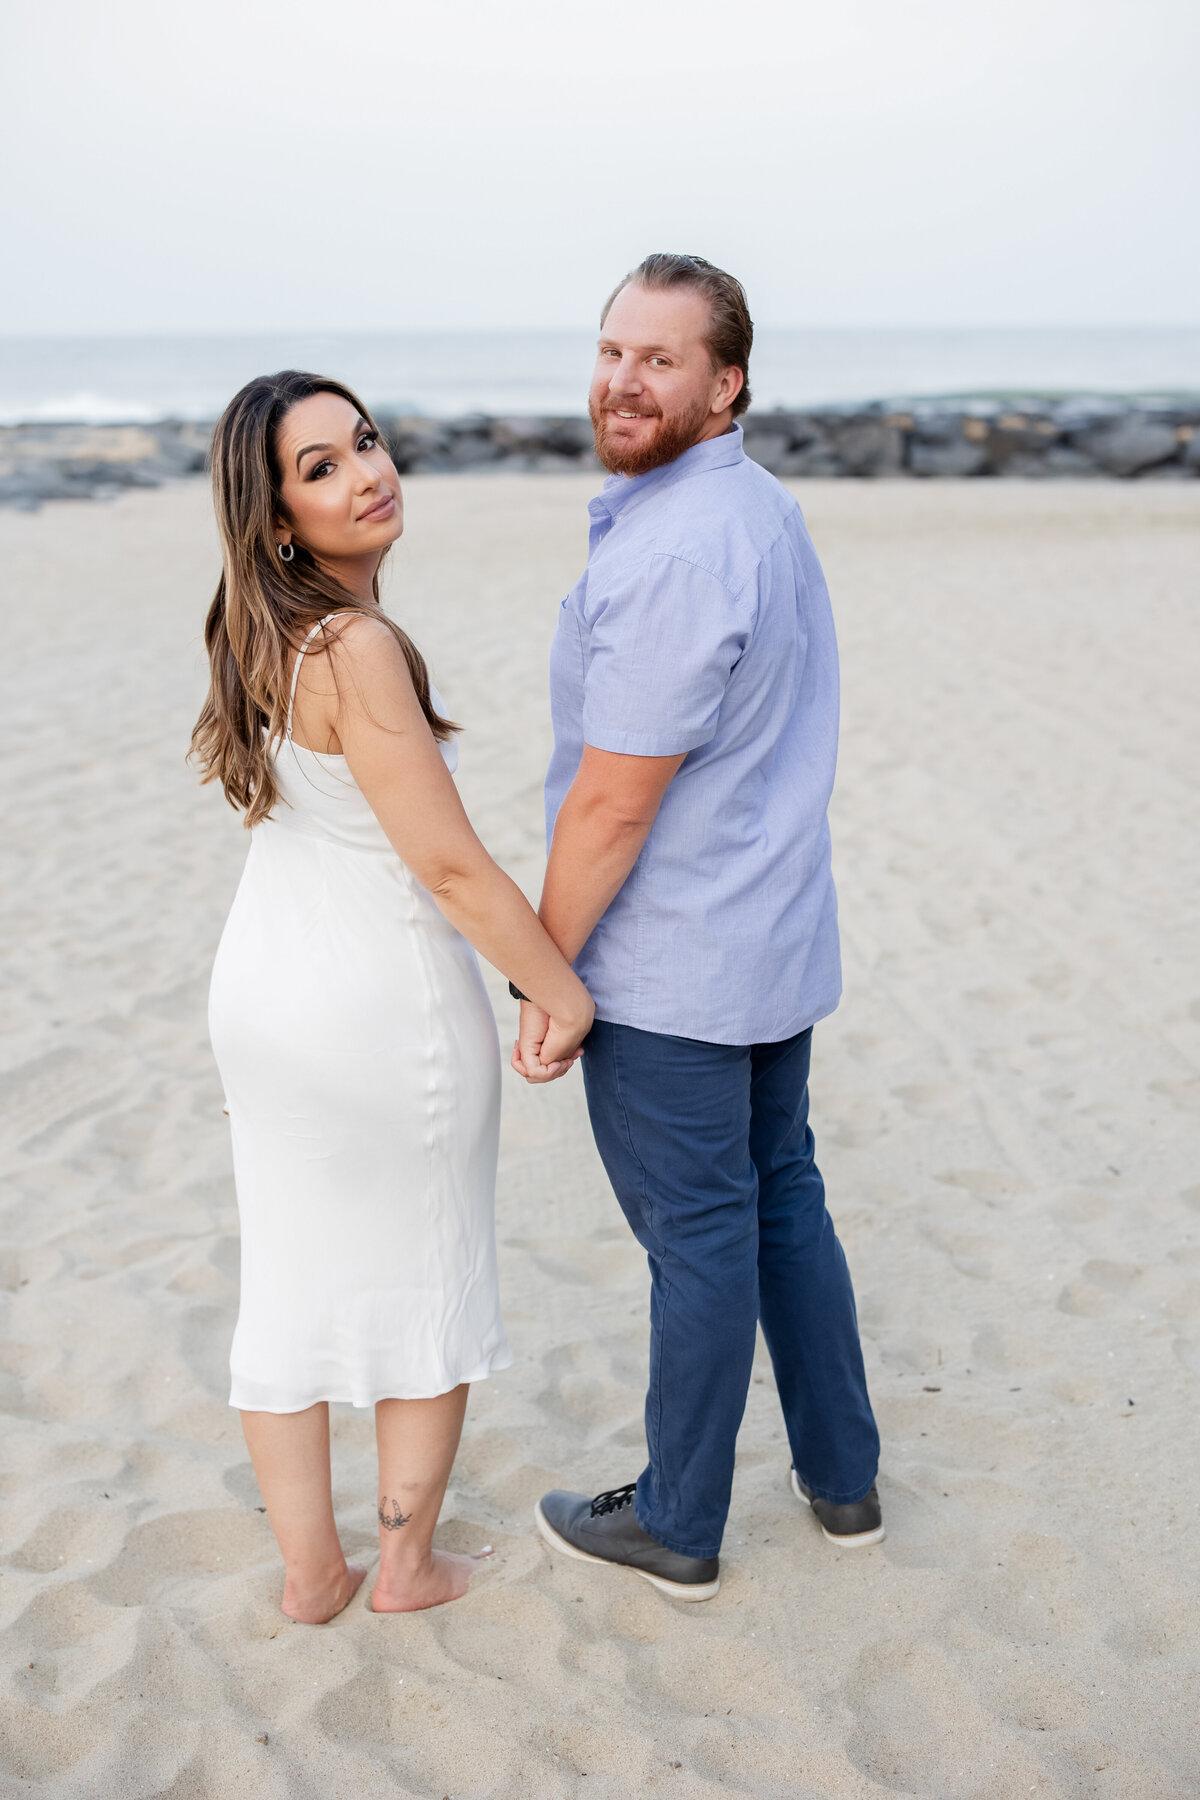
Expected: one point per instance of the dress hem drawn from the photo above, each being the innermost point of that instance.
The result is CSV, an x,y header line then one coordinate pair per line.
x,y
503,1359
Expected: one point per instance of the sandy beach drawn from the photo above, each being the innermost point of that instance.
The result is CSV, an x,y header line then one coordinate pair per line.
x,y
1006,1108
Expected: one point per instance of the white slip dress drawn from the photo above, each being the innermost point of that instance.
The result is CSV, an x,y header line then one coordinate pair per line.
x,y
361,1066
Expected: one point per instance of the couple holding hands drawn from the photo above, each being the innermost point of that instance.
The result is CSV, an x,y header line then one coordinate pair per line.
x,y
685,944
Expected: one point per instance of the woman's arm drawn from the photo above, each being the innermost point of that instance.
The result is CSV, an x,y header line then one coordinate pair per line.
x,y
395,760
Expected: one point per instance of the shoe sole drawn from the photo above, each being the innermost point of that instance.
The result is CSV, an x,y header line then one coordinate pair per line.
x,y
676,1590
853,1540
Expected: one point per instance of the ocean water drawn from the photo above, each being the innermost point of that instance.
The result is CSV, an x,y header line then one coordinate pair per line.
x,y
444,374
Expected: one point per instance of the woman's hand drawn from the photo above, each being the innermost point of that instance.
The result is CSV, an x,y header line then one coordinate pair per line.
x,y
546,1047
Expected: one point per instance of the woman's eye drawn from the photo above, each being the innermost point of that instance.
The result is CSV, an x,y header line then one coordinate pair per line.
x,y
318,469
368,440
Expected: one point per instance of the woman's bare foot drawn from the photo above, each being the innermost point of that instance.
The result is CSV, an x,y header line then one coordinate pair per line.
x,y
444,1577
316,1602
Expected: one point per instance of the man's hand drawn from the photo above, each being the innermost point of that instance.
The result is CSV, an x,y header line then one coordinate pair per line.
x,y
536,1036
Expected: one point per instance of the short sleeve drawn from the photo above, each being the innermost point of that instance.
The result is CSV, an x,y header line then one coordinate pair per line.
x,y
659,653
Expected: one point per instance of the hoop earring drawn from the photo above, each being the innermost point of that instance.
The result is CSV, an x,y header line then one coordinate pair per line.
x,y
286,552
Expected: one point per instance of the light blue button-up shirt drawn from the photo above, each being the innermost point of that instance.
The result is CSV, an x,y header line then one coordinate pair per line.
x,y
702,625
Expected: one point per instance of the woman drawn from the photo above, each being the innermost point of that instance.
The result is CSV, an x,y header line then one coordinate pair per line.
x,y
354,1038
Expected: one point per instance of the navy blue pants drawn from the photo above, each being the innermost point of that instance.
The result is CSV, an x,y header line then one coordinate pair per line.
x,y
709,1151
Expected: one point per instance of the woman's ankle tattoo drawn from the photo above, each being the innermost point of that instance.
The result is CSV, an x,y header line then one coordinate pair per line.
x,y
390,1516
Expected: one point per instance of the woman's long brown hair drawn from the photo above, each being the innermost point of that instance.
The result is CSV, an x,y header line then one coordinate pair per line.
x,y
264,608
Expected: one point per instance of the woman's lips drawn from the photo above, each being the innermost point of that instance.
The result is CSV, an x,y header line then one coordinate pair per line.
x,y
382,509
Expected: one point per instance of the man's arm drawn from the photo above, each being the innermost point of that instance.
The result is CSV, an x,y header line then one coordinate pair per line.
x,y
598,835
602,824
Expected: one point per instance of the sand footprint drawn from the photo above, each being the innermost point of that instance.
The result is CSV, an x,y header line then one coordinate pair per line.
x,y
585,1389
582,1262
74,1643
991,1185
920,1726
931,1098
1185,1094
179,1548
967,1251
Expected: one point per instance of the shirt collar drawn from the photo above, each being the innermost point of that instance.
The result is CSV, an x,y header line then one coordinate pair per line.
x,y
713,453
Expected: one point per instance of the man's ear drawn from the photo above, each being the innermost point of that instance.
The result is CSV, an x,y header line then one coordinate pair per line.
x,y
731,384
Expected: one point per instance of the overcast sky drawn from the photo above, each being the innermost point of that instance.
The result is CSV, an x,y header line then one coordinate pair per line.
x,y
303,164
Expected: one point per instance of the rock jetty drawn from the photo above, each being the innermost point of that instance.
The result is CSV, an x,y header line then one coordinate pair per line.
x,y
94,462
1031,440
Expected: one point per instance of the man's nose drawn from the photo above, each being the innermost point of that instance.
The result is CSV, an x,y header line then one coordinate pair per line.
x,y
625,378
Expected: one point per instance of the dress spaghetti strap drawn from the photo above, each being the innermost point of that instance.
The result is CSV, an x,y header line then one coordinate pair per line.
x,y
302,651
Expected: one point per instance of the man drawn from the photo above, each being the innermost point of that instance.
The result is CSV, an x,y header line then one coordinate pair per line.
x,y
694,695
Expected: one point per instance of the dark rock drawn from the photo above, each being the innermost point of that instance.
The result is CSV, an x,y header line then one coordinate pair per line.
x,y
1060,460
951,457
183,448
469,425
470,444
1083,410
770,448
1128,445
538,437
869,446
790,445
947,443
416,444
1012,439
936,427
17,493
1064,459
27,487
803,430
525,435
473,450
107,472
816,463
572,437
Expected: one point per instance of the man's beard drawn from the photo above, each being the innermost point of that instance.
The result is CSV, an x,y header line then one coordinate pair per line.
x,y
674,435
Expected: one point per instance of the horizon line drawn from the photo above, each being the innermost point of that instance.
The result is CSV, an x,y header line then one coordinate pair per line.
x,y
133,333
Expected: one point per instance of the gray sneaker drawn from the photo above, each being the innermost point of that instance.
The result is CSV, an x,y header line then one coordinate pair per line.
x,y
605,1530
856,1525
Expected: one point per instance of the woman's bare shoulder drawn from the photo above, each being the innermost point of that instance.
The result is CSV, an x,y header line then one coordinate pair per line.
x,y
357,633
365,645
369,667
